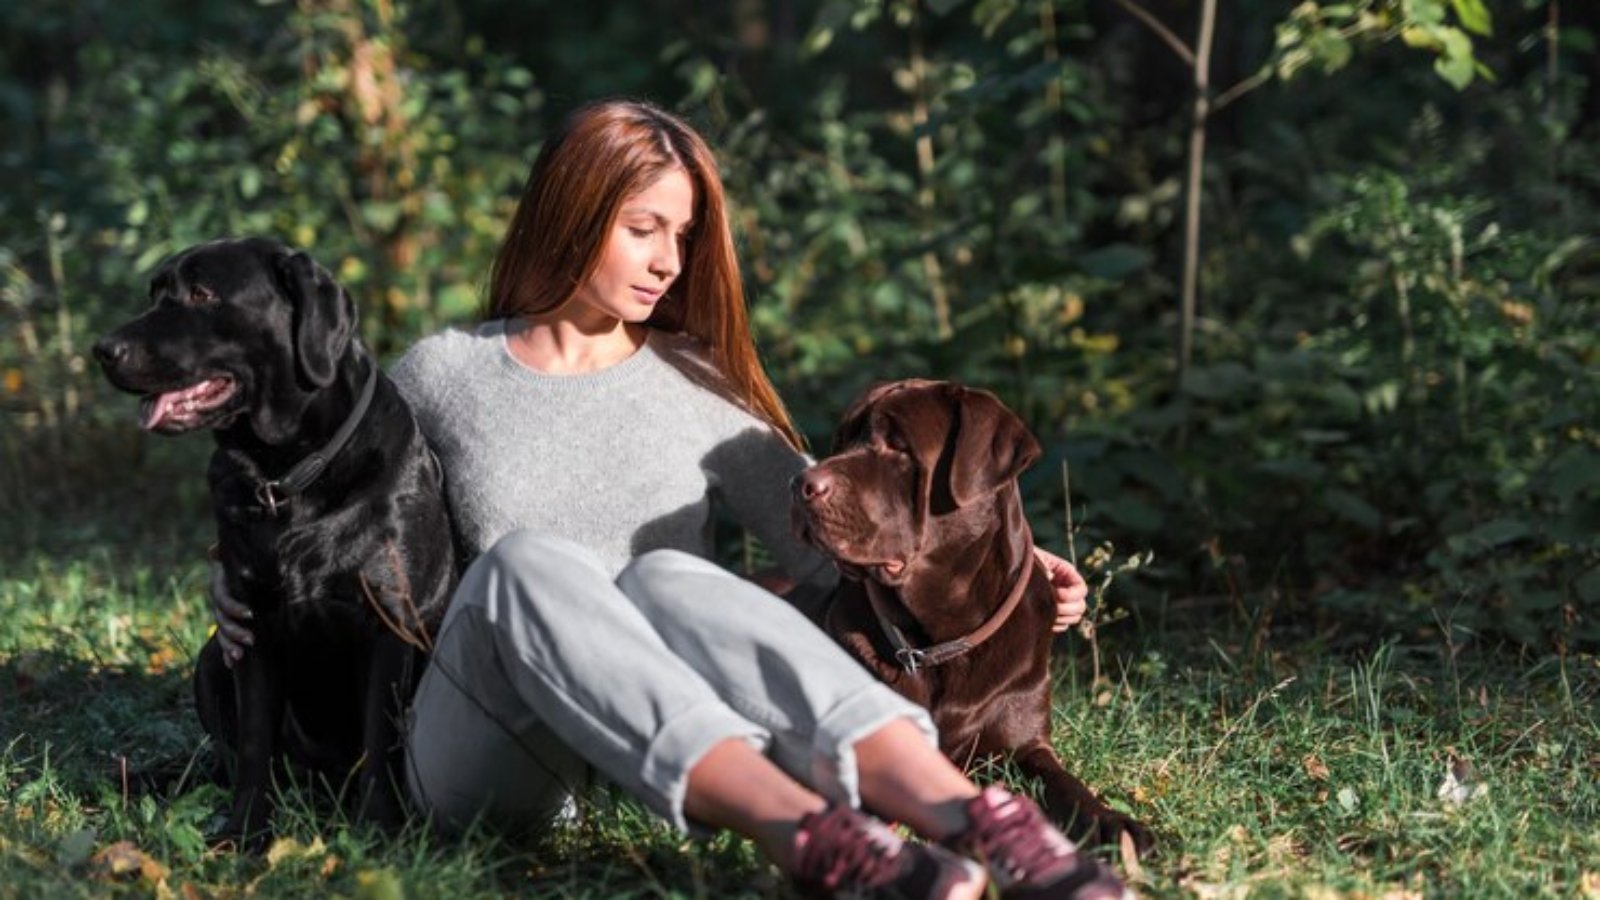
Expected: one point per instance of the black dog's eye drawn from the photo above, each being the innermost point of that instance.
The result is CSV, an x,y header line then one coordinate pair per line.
x,y
200,295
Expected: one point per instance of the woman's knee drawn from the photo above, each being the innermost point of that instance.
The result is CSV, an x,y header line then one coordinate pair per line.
x,y
652,576
534,568
526,549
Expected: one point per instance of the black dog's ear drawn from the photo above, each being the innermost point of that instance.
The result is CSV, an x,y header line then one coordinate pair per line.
x,y
992,445
324,317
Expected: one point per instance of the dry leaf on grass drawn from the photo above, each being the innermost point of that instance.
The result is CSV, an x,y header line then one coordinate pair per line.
x,y
1315,768
289,849
123,860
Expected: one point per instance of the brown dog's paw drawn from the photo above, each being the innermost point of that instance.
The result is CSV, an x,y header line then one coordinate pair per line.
x,y
1109,827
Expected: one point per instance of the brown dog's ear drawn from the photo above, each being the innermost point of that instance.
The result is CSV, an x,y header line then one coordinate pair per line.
x,y
992,446
854,423
324,317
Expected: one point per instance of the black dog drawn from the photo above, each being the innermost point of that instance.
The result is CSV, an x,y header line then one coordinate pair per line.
x,y
331,520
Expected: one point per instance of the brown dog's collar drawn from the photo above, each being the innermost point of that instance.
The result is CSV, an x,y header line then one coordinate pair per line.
x,y
912,658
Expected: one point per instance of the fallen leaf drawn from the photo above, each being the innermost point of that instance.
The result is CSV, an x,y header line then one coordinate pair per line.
x,y
123,859
162,659
1315,767
286,848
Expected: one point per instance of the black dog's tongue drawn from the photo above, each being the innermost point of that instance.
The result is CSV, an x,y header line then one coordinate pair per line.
x,y
181,408
155,409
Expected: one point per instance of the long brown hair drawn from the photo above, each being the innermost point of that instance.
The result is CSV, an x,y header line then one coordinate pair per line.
x,y
601,155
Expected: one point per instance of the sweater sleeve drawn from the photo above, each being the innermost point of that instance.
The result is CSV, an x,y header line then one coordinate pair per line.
x,y
750,474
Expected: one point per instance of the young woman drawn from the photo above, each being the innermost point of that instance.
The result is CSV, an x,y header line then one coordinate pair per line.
x,y
585,428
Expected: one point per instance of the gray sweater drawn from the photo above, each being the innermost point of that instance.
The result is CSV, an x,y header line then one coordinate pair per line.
x,y
622,460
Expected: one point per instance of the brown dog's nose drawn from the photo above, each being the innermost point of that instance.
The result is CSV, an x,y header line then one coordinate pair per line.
x,y
813,484
110,351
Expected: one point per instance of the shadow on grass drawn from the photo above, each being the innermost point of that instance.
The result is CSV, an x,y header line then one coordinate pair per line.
x,y
126,729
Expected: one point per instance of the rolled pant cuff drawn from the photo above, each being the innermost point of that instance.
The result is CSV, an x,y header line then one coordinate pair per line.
x,y
834,773
680,744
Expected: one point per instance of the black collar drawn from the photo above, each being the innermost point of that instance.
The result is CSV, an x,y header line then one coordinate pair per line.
x,y
274,495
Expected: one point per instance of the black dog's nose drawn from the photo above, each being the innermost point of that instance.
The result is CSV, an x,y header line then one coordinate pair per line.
x,y
110,351
813,484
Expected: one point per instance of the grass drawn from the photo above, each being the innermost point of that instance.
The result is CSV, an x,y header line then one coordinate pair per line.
x,y
1308,769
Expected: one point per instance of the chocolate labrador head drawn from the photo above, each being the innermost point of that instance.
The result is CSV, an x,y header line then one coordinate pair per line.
x,y
916,470
239,332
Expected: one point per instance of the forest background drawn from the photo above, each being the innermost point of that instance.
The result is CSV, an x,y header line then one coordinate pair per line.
x,y
1300,299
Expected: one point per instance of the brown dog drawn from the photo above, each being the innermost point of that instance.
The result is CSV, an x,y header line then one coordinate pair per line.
x,y
944,599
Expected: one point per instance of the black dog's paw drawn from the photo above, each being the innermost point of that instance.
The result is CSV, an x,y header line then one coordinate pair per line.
x,y
381,807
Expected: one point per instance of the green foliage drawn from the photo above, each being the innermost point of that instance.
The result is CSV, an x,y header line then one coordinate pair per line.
x,y
1323,35
1392,393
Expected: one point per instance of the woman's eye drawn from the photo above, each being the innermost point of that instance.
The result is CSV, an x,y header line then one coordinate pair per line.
x,y
641,232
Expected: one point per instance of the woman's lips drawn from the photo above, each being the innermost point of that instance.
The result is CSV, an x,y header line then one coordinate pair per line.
x,y
646,295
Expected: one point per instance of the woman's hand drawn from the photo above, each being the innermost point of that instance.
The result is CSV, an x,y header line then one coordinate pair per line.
x,y
1072,592
231,615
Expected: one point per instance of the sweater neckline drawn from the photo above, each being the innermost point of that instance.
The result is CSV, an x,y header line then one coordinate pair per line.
x,y
622,370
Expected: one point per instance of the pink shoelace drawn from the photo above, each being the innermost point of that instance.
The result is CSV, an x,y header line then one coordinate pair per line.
x,y
839,848
1013,838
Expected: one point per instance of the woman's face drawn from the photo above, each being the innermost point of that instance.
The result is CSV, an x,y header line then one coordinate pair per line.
x,y
643,254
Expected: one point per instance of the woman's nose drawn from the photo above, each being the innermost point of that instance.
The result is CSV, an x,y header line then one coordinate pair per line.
x,y
666,263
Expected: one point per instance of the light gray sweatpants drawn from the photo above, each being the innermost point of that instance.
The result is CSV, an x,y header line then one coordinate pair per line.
x,y
546,666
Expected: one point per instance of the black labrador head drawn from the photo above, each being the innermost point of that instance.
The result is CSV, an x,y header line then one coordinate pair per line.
x,y
238,331
912,463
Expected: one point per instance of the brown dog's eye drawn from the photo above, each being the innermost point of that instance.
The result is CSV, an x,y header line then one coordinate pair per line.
x,y
896,442
200,295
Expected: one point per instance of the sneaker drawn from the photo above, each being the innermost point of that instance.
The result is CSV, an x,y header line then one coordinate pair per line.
x,y
1026,856
840,852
